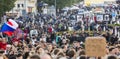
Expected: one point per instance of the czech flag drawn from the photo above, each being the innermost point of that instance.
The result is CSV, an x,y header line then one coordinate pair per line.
x,y
9,27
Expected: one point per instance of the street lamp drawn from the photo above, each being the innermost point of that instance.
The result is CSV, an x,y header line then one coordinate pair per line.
x,y
55,9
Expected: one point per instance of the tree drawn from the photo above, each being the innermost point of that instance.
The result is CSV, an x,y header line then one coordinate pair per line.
x,y
6,5
61,3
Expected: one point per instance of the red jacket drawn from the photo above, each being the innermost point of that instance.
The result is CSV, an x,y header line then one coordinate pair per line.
x,y
3,45
95,19
50,30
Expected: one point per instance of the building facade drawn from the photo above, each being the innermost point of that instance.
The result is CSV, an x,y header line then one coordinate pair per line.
x,y
98,2
23,7
109,1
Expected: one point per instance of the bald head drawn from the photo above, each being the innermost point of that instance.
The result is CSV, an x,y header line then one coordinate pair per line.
x,y
45,56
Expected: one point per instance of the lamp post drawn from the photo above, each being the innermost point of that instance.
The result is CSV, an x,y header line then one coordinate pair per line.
x,y
24,7
55,9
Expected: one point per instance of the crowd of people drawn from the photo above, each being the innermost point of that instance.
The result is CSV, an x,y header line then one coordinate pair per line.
x,y
47,37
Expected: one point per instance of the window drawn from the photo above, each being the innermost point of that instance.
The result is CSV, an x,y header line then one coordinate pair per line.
x,y
22,5
18,5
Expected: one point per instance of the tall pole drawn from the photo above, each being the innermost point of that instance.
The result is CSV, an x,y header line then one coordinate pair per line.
x,y
3,15
55,9
25,6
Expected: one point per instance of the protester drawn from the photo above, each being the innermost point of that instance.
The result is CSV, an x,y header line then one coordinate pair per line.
x,y
63,37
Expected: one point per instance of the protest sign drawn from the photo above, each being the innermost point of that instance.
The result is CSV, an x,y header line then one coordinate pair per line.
x,y
95,46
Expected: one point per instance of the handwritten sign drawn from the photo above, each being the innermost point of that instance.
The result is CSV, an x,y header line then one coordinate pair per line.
x,y
95,46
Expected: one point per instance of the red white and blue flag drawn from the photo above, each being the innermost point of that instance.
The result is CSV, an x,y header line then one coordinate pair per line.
x,y
9,27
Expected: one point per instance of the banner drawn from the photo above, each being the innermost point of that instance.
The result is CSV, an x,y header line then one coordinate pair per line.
x,y
92,2
99,17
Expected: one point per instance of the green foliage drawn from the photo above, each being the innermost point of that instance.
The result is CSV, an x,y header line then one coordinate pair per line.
x,y
6,5
61,3
113,25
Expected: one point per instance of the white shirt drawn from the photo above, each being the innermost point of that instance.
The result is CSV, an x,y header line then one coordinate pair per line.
x,y
35,32
33,41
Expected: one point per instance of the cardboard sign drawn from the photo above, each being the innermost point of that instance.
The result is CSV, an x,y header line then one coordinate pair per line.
x,y
95,46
